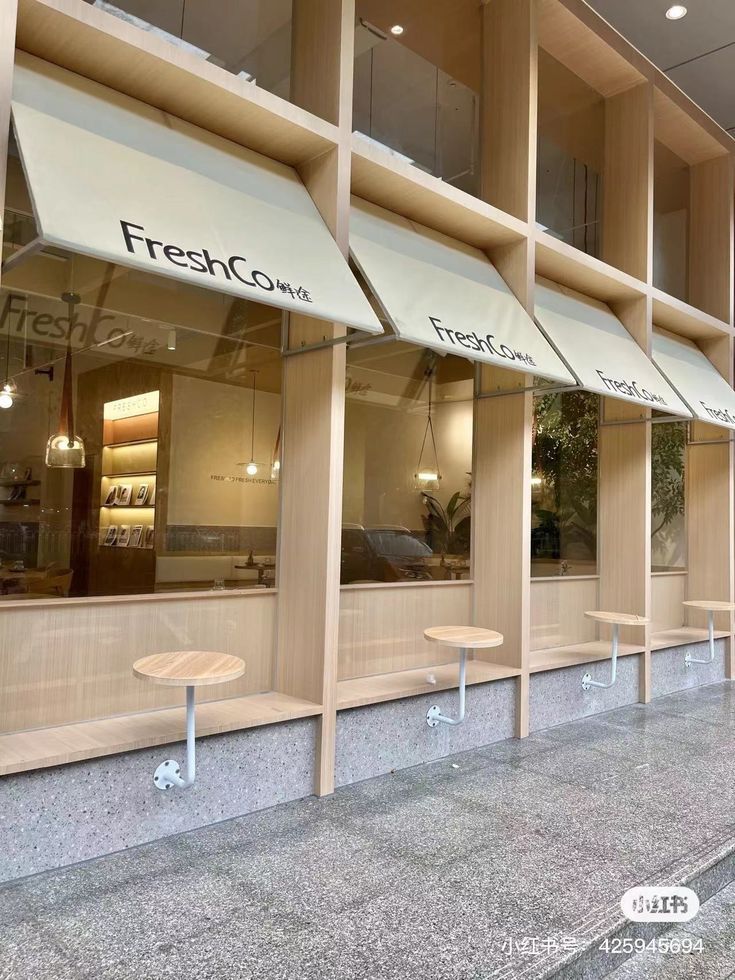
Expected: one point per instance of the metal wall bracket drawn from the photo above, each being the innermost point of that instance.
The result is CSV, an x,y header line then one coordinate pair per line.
x,y
168,774
434,716
587,681
22,254
689,659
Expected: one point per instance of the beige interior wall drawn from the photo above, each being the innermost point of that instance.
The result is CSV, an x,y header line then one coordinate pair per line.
x,y
381,455
210,436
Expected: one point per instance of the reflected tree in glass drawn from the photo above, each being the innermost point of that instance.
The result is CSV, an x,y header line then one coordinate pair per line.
x,y
564,480
668,445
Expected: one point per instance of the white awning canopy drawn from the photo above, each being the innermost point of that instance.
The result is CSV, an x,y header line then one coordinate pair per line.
x,y
118,180
439,293
600,351
696,379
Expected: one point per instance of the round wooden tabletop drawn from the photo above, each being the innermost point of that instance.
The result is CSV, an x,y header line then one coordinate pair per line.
x,y
189,668
467,637
619,619
715,605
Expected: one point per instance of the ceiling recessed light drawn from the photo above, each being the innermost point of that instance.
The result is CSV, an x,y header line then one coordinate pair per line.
x,y
676,12
397,29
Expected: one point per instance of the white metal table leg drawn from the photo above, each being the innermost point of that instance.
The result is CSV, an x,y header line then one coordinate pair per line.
x,y
168,774
434,715
587,681
689,659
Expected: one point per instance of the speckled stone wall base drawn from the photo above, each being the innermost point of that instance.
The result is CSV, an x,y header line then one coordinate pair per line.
x,y
378,738
557,696
669,673
53,817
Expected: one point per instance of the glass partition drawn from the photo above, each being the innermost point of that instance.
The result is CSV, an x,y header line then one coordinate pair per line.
x,y
139,432
571,143
668,528
407,467
417,84
250,39
670,222
564,484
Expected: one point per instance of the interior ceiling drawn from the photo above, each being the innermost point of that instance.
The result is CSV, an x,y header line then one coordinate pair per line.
x,y
696,52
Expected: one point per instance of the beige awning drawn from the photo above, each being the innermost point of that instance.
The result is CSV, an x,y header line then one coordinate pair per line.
x,y
116,179
441,294
702,387
600,351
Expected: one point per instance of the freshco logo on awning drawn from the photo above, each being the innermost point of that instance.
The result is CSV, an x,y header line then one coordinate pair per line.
x,y
197,261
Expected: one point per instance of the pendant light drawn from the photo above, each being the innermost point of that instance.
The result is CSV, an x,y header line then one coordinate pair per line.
x,y
65,450
8,390
251,468
428,475
276,457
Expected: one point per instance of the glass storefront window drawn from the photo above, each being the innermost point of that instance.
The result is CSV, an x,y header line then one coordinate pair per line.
x,y
668,529
564,484
417,82
407,467
250,39
571,142
174,393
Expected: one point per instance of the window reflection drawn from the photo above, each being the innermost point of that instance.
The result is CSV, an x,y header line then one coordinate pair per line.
x,y
668,530
564,484
417,92
176,397
250,39
406,496
571,141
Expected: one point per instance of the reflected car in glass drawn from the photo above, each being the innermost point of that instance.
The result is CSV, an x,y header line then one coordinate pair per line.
x,y
389,553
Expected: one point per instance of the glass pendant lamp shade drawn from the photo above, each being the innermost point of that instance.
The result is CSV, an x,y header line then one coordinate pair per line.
x,y
7,395
428,475
65,450
276,458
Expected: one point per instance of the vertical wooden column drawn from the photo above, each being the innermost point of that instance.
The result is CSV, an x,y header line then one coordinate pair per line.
x,y
710,237
501,481
624,501
627,208
709,462
624,450
313,400
509,106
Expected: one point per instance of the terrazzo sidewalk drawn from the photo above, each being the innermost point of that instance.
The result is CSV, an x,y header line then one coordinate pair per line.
x,y
503,863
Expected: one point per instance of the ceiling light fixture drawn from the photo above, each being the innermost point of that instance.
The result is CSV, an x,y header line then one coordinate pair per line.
x,y
252,467
397,30
9,390
6,395
171,340
676,12
428,477
65,450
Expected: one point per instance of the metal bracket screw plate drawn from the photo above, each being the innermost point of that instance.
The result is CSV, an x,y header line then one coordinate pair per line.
x,y
162,775
432,716
586,682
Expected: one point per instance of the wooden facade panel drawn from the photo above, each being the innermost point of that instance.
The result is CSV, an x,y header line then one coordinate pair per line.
x,y
382,629
73,663
558,606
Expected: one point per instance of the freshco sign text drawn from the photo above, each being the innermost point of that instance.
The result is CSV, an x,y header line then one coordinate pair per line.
x,y
471,341
197,261
630,388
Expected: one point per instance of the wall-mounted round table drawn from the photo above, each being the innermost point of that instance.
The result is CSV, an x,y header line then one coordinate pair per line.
x,y
616,620
462,638
710,606
189,669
